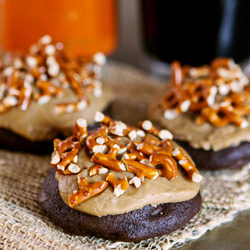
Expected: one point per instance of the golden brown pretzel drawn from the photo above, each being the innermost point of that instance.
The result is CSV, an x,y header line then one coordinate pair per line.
x,y
86,191
167,162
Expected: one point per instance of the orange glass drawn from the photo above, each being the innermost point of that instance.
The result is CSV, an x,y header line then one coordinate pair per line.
x,y
84,26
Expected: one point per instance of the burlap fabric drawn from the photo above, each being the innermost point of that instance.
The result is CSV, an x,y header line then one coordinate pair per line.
x,y
24,226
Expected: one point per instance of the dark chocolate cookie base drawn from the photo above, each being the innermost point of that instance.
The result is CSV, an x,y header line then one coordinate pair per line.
x,y
14,142
134,226
231,157
11,141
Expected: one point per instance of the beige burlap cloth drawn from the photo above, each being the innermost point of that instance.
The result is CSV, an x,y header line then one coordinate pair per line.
x,y
24,226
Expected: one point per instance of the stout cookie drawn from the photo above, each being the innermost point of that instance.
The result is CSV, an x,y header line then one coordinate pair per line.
x,y
44,91
145,222
120,182
207,109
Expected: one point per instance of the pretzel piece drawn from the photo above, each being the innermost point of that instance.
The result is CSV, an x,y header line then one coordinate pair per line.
x,y
66,152
151,129
70,107
141,170
108,161
97,169
86,191
48,89
222,116
185,163
100,117
93,145
25,96
80,130
169,165
120,186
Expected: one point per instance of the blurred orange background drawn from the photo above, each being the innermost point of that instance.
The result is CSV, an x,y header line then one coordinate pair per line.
x,y
84,26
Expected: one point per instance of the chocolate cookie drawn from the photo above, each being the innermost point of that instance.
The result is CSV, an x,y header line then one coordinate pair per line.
x,y
11,141
231,157
207,109
136,225
43,92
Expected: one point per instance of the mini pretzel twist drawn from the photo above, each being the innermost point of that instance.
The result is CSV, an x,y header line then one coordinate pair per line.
x,y
231,110
202,94
86,191
176,101
65,153
91,142
76,86
118,128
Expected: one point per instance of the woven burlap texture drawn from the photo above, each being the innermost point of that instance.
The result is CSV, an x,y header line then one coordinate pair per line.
x,y
24,226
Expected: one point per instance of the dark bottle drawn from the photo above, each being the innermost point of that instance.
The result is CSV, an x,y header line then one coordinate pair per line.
x,y
196,31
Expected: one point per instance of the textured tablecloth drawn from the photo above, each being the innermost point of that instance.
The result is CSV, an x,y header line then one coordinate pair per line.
x,y
24,226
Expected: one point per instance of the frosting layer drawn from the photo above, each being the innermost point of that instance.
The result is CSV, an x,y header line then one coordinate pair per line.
x,y
151,192
206,136
41,122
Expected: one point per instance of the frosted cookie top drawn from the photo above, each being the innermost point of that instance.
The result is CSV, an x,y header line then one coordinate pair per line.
x,y
120,162
45,72
217,94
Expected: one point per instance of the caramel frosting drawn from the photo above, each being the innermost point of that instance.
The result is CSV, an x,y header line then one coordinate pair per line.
x,y
44,91
118,168
208,107
42,122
